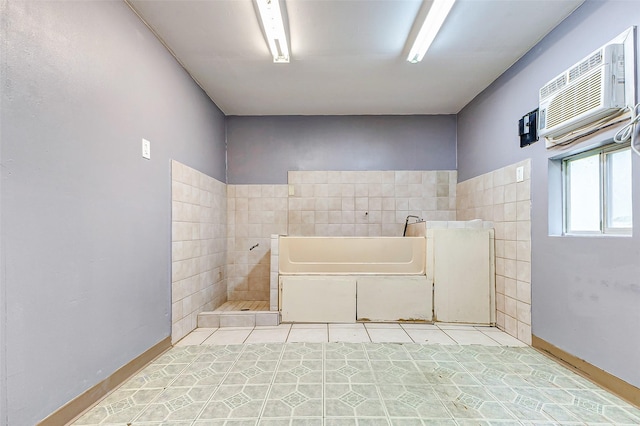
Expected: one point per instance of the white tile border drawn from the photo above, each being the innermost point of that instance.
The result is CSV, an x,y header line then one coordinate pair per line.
x,y
427,334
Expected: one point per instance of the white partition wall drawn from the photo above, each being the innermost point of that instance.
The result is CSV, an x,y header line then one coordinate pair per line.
x,y
461,275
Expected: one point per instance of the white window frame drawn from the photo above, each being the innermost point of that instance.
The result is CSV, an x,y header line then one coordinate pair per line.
x,y
604,196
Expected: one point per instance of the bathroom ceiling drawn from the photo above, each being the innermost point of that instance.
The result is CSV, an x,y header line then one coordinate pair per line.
x,y
349,56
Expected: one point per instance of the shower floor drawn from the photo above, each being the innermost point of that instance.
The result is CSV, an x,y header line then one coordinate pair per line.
x,y
244,305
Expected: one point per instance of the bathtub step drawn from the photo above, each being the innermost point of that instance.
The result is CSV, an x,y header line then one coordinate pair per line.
x,y
215,319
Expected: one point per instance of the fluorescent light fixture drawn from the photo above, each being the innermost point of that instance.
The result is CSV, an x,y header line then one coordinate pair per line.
x,y
274,29
430,27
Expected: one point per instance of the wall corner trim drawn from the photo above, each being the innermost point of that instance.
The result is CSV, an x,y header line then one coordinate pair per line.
x,y
613,384
78,405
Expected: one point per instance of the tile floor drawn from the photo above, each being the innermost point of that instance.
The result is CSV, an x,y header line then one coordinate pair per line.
x,y
357,375
240,305
442,334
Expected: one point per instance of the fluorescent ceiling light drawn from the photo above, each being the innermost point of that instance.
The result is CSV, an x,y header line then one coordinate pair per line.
x,y
274,29
430,27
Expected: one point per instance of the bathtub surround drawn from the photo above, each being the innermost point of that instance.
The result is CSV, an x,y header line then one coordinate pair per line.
x,y
198,247
497,197
325,203
368,203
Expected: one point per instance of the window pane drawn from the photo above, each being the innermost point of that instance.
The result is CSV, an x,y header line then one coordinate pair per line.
x,y
619,189
583,194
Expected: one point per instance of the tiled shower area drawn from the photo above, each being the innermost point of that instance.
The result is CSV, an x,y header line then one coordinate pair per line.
x,y
221,234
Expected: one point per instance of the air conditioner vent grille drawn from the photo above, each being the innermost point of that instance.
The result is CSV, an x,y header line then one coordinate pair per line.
x,y
585,66
553,86
582,97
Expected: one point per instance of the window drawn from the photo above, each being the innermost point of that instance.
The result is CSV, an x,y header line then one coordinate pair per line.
x,y
597,191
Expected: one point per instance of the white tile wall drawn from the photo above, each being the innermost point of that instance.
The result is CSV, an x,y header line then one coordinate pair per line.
x,y
254,213
325,203
198,246
214,226
367,203
497,197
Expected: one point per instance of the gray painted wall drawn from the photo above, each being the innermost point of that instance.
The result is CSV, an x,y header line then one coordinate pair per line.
x,y
585,291
85,219
262,149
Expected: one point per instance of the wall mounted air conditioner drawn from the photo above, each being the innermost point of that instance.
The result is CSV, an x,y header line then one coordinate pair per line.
x,y
597,87
590,90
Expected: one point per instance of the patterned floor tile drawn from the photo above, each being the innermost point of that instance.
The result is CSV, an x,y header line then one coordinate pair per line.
x,y
403,372
345,351
251,373
229,422
348,371
179,355
445,374
235,401
303,351
526,408
383,352
558,412
340,421
357,384
286,400
156,376
123,405
621,416
305,421
412,401
373,421
367,421
177,403
343,400
422,422
421,352
262,352
299,371
203,374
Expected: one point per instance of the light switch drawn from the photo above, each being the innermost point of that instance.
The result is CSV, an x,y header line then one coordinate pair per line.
x,y
146,149
292,190
520,174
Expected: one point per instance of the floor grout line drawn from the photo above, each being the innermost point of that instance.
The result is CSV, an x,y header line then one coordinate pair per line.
x,y
323,380
273,378
219,385
487,334
450,337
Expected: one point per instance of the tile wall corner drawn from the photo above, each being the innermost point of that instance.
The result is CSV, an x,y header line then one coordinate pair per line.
x,y
198,246
497,197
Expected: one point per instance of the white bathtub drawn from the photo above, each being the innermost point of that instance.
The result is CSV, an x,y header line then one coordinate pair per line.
x,y
344,279
352,255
